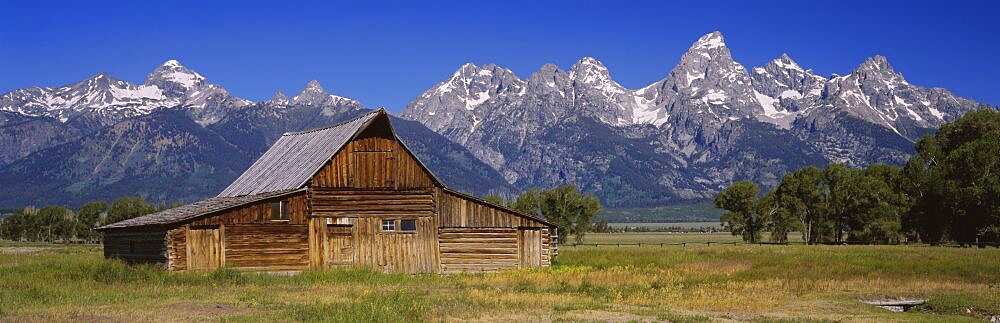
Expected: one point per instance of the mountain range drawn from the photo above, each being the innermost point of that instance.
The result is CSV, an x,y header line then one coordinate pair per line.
x,y
708,122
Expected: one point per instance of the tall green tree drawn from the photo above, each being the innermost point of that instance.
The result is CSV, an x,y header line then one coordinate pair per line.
x,y
53,223
89,217
956,175
780,219
528,202
801,196
741,217
841,191
876,214
15,226
128,207
571,211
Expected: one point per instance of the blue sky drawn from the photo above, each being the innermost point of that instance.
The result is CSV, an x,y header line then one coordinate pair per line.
x,y
385,53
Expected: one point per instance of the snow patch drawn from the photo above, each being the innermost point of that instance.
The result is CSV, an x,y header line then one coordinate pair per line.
x,y
914,114
477,99
790,94
937,113
714,97
691,77
646,110
772,113
900,100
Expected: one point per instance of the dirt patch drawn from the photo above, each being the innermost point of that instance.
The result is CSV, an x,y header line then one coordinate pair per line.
x,y
194,311
606,316
571,316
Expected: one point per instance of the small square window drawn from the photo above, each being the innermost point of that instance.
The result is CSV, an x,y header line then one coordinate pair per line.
x,y
389,225
407,225
279,211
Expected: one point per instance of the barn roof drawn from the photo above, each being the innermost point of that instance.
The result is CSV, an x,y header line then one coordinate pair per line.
x,y
196,209
297,156
498,206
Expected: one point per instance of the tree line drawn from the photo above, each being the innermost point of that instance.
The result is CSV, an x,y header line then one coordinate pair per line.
x,y
565,206
948,192
59,224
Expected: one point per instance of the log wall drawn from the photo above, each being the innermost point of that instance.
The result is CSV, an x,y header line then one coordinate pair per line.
x,y
177,248
267,246
478,249
364,203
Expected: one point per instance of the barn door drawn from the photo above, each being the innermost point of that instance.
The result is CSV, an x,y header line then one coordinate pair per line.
x,y
204,249
341,245
529,241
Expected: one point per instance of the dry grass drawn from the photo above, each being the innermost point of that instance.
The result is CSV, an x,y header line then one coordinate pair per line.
x,y
764,283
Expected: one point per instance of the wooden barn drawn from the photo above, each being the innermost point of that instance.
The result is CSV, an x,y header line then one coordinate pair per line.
x,y
350,194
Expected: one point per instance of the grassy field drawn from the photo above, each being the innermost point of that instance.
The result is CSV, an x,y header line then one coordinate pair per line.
x,y
694,283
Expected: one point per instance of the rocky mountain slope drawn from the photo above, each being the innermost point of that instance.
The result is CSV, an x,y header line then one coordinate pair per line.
x,y
709,122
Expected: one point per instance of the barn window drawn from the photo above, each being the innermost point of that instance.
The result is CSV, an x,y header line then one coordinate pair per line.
x,y
407,225
279,211
388,225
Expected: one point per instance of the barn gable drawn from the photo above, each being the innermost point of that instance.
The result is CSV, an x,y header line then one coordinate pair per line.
x,y
297,156
376,159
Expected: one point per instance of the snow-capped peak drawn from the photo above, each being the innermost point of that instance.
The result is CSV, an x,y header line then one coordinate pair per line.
x,y
877,67
591,73
174,79
709,41
588,62
314,94
278,99
171,63
313,87
590,70
786,62
877,63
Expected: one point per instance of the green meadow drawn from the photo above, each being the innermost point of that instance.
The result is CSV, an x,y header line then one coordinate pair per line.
x,y
650,283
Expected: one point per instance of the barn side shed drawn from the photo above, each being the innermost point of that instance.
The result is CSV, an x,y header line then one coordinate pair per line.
x,y
346,195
